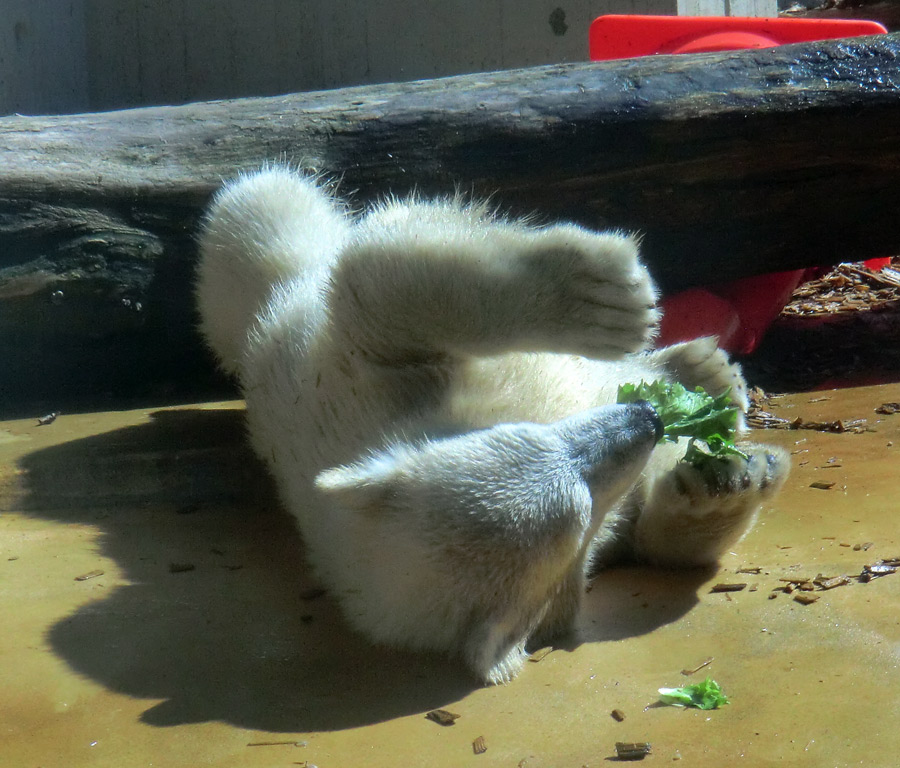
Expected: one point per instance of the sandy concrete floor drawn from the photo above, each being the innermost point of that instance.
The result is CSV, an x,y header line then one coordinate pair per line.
x,y
197,638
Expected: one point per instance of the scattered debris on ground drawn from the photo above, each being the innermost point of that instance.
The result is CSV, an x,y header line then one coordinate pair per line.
x,y
758,417
801,587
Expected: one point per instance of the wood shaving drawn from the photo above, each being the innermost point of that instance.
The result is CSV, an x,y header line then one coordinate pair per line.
x,y
89,575
540,654
442,717
846,288
805,598
760,418
632,750
701,665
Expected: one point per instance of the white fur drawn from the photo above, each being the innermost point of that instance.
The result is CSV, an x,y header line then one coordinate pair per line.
x,y
431,387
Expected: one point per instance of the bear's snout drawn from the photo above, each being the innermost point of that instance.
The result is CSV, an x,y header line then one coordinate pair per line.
x,y
650,413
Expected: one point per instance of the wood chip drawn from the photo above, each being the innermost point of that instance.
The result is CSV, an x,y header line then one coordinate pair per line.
x,y
89,575
805,598
618,715
822,486
888,408
181,567
873,571
758,418
277,744
478,746
632,750
700,666
751,569
442,717
726,587
823,582
540,654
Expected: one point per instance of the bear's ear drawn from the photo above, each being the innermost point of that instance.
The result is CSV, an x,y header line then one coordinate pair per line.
x,y
368,486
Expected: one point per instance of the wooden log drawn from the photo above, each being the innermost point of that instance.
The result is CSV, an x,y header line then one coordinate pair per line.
x,y
730,164
886,12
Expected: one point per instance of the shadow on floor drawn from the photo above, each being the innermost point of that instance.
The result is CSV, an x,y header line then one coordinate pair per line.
x,y
216,614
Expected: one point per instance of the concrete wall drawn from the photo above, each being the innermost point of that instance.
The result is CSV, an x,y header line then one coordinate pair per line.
x,y
43,65
90,55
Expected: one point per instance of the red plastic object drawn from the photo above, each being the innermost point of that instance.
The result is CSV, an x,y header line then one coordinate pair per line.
x,y
740,312
622,37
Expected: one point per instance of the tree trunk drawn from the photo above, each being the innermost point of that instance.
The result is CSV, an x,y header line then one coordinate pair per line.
x,y
731,164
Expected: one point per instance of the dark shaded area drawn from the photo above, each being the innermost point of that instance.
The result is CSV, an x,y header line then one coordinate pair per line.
x,y
243,636
103,319
800,354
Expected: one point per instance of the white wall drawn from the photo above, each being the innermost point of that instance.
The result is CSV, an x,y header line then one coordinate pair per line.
x,y
80,55
43,67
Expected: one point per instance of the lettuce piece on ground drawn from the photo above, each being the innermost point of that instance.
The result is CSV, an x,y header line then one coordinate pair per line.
x,y
705,695
710,422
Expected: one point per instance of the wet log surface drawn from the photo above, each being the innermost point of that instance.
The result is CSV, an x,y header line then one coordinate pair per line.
x,y
730,164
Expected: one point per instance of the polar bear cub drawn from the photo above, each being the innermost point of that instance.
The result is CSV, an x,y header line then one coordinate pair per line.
x,y
433,388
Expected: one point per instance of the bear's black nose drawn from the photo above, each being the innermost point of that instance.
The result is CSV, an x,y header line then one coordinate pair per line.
x,y
658,426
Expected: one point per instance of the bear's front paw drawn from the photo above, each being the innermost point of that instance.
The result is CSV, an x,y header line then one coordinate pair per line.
x,y
695,513
597,297
723,481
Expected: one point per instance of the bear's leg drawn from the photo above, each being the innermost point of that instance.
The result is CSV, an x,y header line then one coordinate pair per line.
x,y
700,363
445,283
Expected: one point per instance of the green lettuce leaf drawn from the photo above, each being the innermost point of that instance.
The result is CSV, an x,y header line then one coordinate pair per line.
x,y
705,695
710,422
